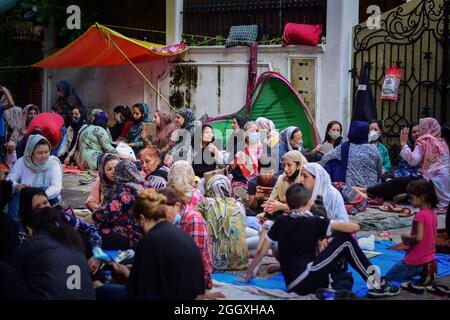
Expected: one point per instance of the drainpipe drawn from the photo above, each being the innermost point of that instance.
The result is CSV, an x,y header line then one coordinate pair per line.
x,y
174,21
48,47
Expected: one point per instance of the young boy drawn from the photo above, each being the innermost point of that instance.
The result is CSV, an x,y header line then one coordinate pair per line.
x,y
297,233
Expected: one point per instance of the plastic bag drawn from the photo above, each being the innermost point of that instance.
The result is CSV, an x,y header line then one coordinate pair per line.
x,y
126,149
367,244
389,91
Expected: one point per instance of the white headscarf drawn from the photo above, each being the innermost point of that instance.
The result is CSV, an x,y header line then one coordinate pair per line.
x,y
332,198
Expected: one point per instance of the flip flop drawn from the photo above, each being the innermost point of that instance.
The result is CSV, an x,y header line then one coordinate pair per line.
x,y
406,213
413,288
439,290
390,208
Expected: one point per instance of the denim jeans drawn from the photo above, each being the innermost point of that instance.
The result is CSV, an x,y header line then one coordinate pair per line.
x,y
403,272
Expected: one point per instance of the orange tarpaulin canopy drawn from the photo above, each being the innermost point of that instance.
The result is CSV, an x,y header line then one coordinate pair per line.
x,y
95,49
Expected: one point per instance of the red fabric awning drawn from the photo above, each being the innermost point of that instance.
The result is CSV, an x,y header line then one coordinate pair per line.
x,y
95,49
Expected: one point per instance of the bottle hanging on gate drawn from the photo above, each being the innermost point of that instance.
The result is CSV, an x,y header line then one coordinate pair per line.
x,y
389,91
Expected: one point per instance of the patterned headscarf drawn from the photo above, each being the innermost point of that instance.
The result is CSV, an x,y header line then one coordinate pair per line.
x,y
182,176
219,186
127,174
272,135
106,185
189,118
433,147
145,110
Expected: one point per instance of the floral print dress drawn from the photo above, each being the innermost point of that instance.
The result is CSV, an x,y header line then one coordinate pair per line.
x,y
117,216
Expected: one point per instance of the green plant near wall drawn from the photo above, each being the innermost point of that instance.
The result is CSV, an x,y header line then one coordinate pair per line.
x,y
53,12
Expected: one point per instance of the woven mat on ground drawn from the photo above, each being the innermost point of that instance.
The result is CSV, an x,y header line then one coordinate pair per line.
x,y
375,219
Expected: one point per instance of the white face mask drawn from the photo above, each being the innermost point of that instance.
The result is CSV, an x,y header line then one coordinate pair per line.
x,y
334,135
373,136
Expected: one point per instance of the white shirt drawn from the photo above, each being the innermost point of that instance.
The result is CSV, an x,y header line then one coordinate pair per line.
x,y
22,174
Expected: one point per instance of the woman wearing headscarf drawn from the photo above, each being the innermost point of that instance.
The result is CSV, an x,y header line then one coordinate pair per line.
x,y
268,129
316,179
67,97
38,169
165,126
293,161
141,114
102,189
182,137
358,163
114,218
18,120
77,120
291,138
225,217
182,176
433,153
93,141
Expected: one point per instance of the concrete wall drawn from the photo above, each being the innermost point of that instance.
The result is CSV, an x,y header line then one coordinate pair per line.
x,y
213,80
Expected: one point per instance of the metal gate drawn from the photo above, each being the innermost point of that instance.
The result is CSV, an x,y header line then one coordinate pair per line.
x,y
415,35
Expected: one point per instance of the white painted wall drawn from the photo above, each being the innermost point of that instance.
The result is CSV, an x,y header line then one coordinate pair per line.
x,y
109,87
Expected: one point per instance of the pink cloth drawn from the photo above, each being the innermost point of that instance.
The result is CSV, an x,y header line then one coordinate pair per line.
x,y
424,251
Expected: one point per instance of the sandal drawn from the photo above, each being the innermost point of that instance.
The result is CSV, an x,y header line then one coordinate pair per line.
x,y
439,290
390,208
406,213
413,288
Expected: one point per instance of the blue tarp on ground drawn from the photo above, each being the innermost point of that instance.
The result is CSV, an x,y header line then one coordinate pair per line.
x,y
384,262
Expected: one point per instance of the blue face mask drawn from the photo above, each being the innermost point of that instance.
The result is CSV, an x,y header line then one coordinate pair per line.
x,y
177,219
254,137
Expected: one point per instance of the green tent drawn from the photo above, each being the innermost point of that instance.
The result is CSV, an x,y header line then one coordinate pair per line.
x,y
276,99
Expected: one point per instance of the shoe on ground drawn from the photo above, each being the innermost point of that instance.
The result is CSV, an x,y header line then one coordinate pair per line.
x,y
386,290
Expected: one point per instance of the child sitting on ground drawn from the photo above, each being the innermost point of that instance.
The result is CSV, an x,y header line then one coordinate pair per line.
x,y
297,233
420,257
